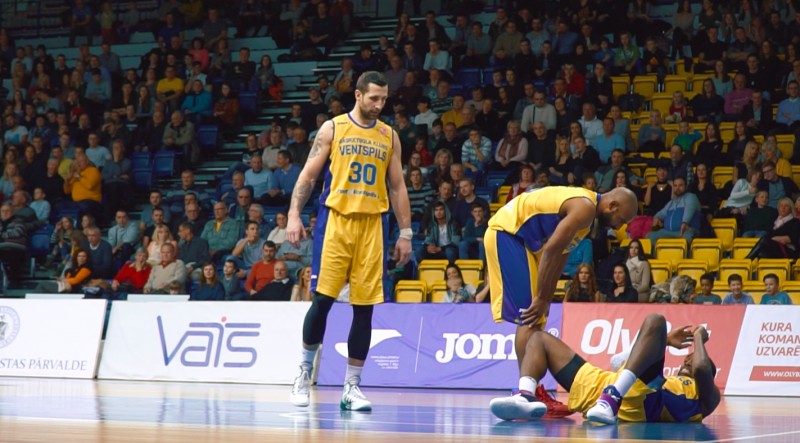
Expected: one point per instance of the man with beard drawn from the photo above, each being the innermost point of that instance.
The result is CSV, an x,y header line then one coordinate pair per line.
x,y
537,230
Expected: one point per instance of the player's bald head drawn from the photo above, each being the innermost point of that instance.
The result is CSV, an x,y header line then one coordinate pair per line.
x,y
618,207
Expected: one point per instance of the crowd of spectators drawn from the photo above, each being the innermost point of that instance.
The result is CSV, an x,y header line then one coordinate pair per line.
x,y
539,111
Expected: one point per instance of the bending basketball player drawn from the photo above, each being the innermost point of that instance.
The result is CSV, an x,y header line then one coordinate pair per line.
x,y
358,153
536,231
638,392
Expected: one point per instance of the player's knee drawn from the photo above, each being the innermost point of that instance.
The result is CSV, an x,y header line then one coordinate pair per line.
x,y
655,323
322,302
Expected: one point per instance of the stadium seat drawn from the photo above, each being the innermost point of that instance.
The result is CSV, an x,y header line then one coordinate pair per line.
x,y
661,101
742,246
708,250
164,164
778,266
730,266
502,193
410,291
39,244
697,84
431,271
142,180
560,291
755,288
494,207
645,85
621,85
793,289
721,175
438,291
725,229
141,161
786,145
471,270
692,268
673,83
208,138
672,249
661,270
650,175
469,77
248,103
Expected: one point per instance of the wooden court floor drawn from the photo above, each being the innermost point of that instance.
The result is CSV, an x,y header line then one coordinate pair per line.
x,y
85,411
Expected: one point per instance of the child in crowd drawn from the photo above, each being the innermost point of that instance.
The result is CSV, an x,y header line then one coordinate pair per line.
x,y
40,206
705,297
686,137
736,296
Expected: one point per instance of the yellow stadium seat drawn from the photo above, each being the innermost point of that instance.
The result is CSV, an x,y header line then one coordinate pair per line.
x,y
650,175
494,207
721,175
671,134
438,291
671,249
471,270
647,245
621,85
742,246
720,288
697,82
755,288
708,250
796,174
692,268
730,266
793,289
785,145
661,270
645,85
561,290
680,68
778,266
410,291
502,193
725,229
661,102
431,271
673,83
796,270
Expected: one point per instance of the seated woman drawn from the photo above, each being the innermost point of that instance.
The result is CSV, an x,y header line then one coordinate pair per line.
x,y
74,278
210,288
742,194
583,287
302,289
457,290
639,270
132,277
781,240
706,193
621,289
526,182
561,170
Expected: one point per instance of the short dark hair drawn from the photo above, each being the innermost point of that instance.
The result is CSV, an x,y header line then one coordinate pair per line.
x,y
269,244
707,277
286,153
734,277
368,78
772,276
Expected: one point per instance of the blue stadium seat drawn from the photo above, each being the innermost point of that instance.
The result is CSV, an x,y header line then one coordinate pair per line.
x,y
66,209
469,77
208,138
142,180
248,103
141,161
39,244
164,164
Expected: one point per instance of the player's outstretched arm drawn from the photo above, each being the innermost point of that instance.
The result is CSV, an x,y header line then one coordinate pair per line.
x,y
398,194
579,213
317,157
703,373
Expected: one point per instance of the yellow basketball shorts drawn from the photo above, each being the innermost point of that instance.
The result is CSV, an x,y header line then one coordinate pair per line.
x,y
589,383
513,270
349,248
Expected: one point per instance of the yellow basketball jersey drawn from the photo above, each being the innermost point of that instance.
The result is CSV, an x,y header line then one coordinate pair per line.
x,y
680,400
533,215
355,180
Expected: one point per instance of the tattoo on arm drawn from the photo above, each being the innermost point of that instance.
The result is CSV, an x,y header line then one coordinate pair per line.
x,y
301,194
316,149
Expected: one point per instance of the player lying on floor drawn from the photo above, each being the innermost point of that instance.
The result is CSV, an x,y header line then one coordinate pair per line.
x,y
637,393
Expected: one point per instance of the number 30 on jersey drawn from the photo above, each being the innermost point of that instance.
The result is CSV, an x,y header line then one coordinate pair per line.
x,y
365,173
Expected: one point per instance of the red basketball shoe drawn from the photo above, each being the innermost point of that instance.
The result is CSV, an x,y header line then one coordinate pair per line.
x,y
555,409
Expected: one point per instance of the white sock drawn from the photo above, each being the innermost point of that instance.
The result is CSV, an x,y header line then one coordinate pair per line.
x,y
307,358
625,380
352,371
527,384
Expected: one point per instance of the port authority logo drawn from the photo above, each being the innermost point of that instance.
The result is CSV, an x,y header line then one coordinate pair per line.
x,y
9,326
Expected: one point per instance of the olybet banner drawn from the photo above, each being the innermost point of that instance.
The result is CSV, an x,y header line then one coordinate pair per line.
x,y
598,332
767,360
437,345
246,342
50,338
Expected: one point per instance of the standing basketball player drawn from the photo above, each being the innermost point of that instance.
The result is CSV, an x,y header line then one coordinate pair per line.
x,y
358,153
535,232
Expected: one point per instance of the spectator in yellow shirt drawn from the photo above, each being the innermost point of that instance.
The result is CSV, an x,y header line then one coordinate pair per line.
x,y
169,89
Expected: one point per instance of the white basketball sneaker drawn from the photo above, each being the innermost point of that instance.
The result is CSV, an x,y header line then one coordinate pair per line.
x,y
301,390
352,397
520,406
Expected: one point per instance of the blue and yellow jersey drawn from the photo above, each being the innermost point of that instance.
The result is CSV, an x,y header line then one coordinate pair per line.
x,y
534,215
355,180
680,401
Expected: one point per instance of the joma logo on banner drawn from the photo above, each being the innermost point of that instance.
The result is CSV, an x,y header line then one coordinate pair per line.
x,y
203,343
